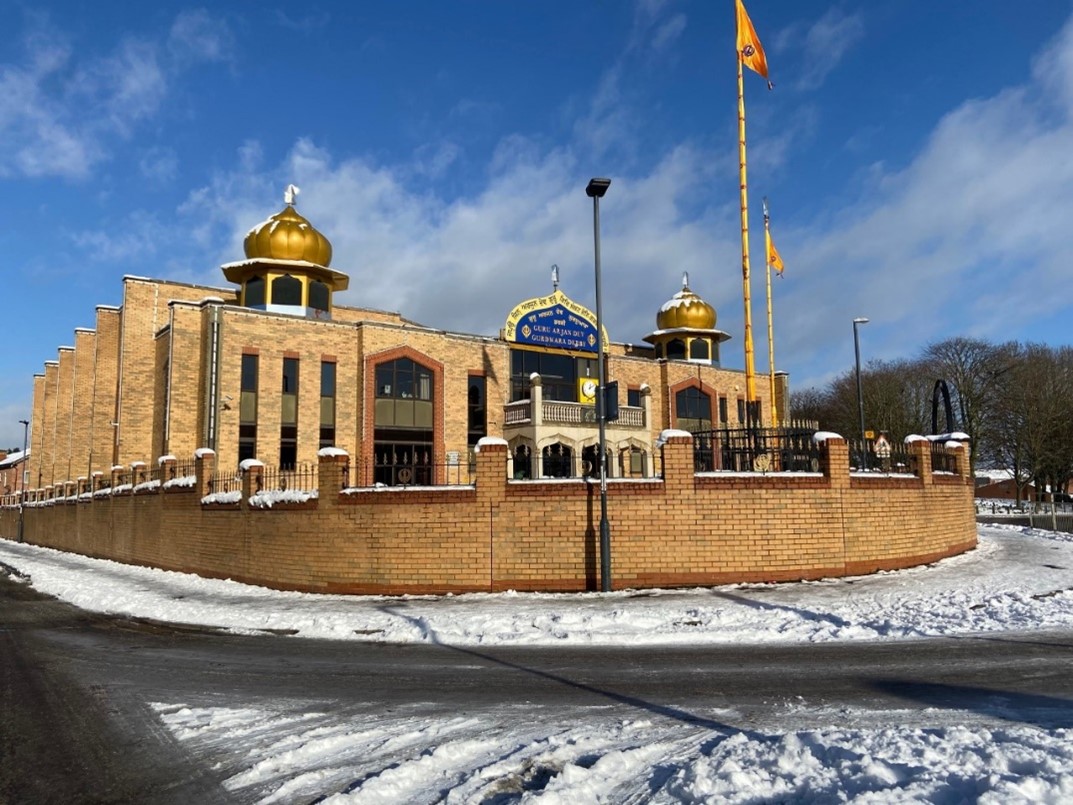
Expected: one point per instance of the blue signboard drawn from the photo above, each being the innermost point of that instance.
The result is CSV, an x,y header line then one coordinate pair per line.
x,y
555,322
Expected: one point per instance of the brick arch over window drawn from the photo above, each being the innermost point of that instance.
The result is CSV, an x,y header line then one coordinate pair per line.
x,y
691,383
369,403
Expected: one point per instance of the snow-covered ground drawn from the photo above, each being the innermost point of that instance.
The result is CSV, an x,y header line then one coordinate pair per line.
x,y
1017,580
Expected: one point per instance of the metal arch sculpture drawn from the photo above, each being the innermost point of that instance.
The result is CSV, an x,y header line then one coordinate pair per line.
x,y
941,387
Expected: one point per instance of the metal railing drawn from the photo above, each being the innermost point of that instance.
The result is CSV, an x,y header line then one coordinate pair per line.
x,y
225,481
894,458
299,477
364,474
788,449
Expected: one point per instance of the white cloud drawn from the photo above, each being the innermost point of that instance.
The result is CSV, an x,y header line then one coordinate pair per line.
x,y
60,116
823,45
960,240
198,36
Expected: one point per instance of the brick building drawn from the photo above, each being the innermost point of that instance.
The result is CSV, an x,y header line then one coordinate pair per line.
x,y
270,367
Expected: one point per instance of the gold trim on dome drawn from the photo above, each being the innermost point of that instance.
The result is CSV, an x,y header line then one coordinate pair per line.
x,y
288,236
686,310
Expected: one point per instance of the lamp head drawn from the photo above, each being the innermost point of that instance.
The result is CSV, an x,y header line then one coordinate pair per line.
x,y
597,188
860,320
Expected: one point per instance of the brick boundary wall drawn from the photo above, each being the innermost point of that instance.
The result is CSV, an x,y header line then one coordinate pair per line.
x,y
685,529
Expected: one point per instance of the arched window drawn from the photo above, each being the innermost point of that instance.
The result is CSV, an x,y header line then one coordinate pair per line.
x,y
557,461
676,349
255,292
698,349
590,462
286,290
318,295
523,463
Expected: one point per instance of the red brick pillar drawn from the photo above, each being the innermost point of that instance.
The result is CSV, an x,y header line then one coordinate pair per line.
x,y
138,473
204,469
333,468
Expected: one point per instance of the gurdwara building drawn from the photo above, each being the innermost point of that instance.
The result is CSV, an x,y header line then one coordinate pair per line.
x,y
270,367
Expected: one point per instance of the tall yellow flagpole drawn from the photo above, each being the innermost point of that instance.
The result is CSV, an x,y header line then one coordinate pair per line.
x,y
770,325
750,370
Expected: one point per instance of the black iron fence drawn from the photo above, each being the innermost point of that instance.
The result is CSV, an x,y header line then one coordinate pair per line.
x,y
941,460
789,449
225,481
891,457
299,477
360,474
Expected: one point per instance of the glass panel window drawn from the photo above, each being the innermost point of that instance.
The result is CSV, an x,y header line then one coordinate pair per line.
x,y
247,409
288,415
676,349
698,349
286,290
318,295
404,421
694,409
255,292
633,398
475,403
327,404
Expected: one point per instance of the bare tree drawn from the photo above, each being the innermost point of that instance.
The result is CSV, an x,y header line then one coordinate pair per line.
x,y
971,367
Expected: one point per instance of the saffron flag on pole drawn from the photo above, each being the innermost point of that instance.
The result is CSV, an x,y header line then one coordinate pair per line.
x,y
750,51
773,258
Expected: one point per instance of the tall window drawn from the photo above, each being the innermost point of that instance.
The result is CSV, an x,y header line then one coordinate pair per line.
x,y
741,410
327,404
247,409
724,417
288,415
403,438
478,414
694,409
633,398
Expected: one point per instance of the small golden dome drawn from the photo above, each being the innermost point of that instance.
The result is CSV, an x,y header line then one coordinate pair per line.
x,y
288,236
686,309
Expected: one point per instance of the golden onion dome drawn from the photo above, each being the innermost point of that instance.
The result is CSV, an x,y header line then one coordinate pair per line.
x,y
288,236
686,310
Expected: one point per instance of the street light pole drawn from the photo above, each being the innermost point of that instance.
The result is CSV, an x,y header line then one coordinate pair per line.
x,y
595,191
22,475
860,395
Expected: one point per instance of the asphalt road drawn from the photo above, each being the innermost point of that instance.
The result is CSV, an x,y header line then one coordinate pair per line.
x,y
76,722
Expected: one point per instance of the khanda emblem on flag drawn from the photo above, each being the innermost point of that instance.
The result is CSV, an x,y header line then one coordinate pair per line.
x,y
750,51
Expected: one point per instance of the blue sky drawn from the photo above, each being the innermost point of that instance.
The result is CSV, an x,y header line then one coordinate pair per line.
x,y
918,158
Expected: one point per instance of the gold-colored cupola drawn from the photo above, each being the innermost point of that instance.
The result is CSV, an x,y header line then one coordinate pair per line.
x,y
685,329
286,266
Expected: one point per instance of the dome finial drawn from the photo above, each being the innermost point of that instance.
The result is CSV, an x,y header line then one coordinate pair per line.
x,y
685,279
554,276
290,194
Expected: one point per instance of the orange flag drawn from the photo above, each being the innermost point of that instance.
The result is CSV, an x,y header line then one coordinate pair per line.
x,y
773,258
750,51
